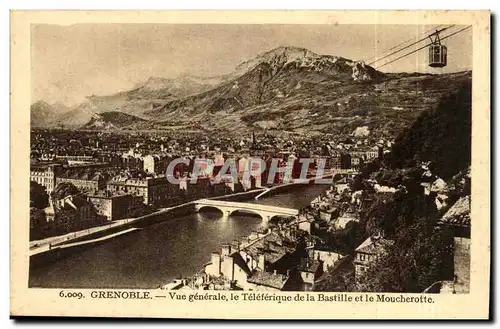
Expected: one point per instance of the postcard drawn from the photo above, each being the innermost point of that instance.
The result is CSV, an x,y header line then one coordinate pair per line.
x,y
250,164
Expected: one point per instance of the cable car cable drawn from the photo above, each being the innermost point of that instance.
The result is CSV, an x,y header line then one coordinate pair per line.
x,y
410,45
402,43
423,47
427,45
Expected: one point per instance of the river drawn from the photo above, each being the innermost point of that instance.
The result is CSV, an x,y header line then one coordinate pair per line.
x,y
161,252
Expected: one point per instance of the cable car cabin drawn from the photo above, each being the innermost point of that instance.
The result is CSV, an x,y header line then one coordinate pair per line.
x,y
437,55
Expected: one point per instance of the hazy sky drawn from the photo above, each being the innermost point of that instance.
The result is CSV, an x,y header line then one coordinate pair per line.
x,y
71,62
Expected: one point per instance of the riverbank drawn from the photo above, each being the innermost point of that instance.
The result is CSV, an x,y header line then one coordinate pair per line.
x,y
191,280
158,253
87,241
285,187
46,245
329,175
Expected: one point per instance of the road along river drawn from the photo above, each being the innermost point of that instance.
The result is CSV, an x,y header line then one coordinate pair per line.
x,y
158,253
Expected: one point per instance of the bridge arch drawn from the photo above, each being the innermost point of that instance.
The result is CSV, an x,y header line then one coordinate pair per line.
x,y
200,208
248,211
227,208
276,217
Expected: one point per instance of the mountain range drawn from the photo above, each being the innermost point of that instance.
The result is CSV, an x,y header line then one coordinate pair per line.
x,y
286,89
44,115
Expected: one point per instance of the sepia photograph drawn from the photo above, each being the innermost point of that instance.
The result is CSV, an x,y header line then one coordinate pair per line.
x,y
179,159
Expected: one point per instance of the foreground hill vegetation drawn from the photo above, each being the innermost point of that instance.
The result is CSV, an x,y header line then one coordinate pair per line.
x,y
436,145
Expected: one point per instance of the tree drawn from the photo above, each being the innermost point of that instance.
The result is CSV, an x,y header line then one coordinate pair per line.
x,y
420,256
37,221
336,280
63,190
38,196
441,135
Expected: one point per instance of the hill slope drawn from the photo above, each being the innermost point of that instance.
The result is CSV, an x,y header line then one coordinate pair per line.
x,y
293,89
76,116
117,120
286,89
44,115
441,136
144,97
277,74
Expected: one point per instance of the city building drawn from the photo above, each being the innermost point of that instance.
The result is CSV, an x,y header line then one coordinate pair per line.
x,y
341,221
268,252
369,251
155,164
327,257
199,189
45,175
114,206
230,269
155,191
329,213
341,185
73,213
356,162
230,265
374,153
457,219
76,159
86,180
305,224
340,160
132,161
270,281
310,270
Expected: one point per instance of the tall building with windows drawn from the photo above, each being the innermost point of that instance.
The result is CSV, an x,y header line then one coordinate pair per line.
x,y
155,164
155,191
114,206
368,252
85,180
45,175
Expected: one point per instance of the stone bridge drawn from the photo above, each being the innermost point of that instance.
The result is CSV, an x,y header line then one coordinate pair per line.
x,y
227,208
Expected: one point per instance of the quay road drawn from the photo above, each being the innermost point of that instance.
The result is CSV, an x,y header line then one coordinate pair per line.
x,y
39,246
175,245
327,174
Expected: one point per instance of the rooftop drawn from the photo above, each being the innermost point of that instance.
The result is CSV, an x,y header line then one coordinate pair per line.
x,y
374,245
107,194
44,165
458,214
272,246
238,260
268,279
308,265
84,175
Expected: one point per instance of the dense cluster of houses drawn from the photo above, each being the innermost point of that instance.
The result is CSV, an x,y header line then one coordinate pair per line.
x,y
275,260
265,261
121,183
